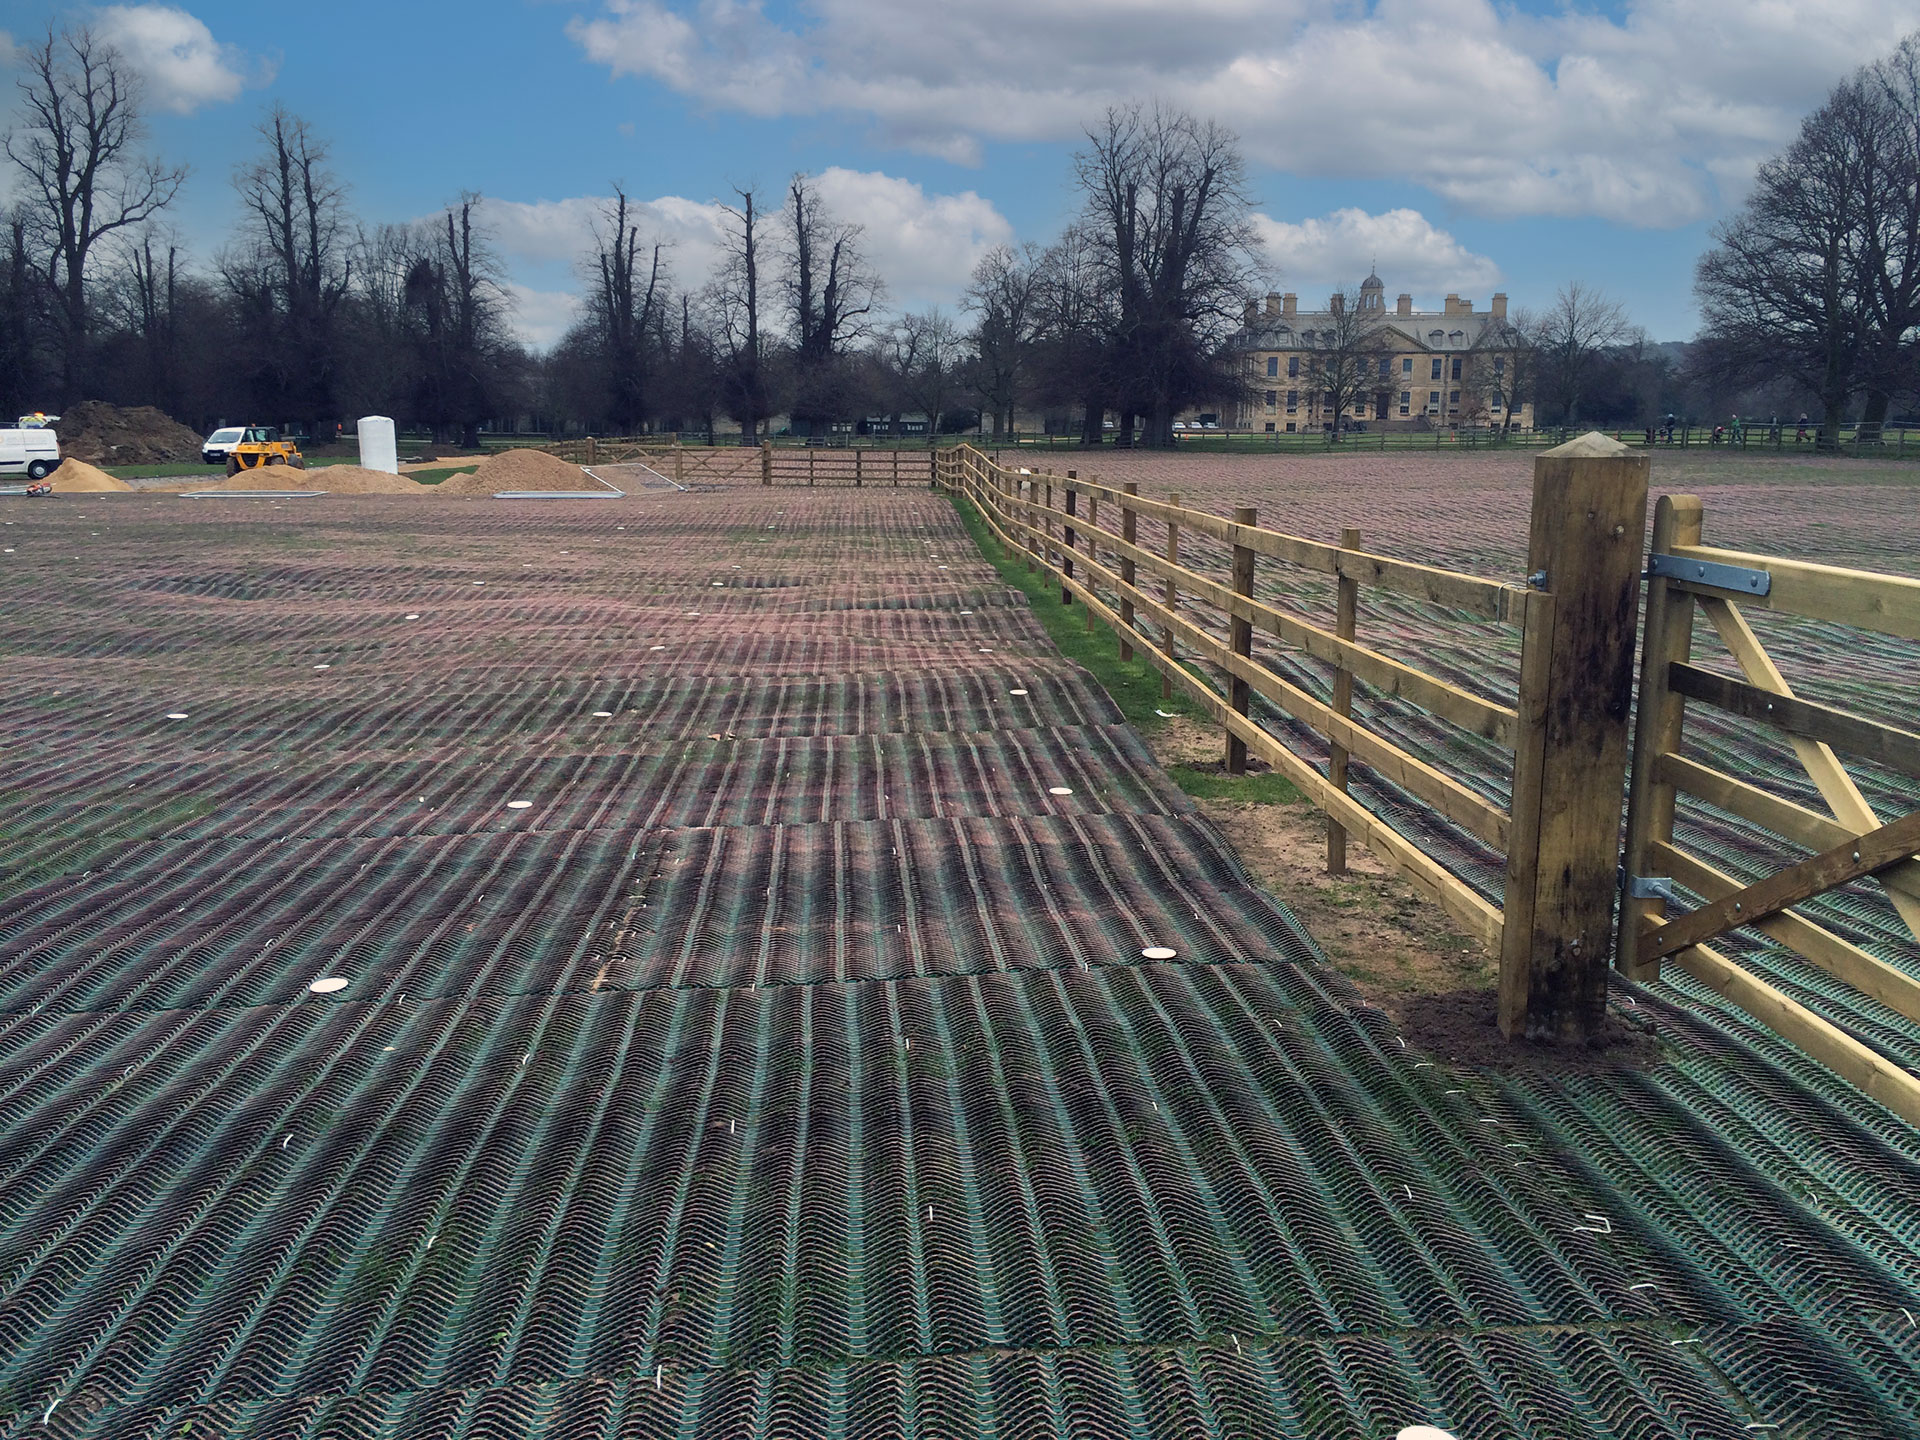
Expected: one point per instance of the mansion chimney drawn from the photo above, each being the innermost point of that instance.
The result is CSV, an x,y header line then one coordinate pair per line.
x,y
1273,306
1497,307
1403,306
1453,305
1290,305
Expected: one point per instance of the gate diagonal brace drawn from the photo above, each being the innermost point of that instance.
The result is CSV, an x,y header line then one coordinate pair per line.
x,y
1876,850
1707,572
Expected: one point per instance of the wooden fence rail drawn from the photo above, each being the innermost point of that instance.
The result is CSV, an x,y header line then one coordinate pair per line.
x,y
1687,578
763,464
1553,930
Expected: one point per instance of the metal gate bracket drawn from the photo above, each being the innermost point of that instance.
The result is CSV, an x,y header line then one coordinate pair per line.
x,y
1707,572
1649,887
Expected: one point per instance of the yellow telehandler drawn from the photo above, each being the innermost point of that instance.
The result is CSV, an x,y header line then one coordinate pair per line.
x,y
261,445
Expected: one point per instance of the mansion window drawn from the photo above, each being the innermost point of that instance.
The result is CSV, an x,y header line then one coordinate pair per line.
x,y
1437,362
1293,366
1273,364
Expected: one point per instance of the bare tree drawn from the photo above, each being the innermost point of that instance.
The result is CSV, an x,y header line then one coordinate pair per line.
x,y
920,358
1889,246
626,310
736,301
1004,295
1568,338
22,306
1344,355
293,269
456,302
1499,379
1075,316
1168,212
78,150
831,296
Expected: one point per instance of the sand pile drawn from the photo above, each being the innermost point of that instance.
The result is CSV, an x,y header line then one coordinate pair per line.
x,y
109,435
357,480
518,470
76,475
266,477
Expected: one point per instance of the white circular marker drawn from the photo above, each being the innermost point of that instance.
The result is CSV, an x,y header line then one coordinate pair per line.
x,y
1016,692
966,612
323,667
1058,790
1157,952
1423,1432
328,985
519,804
603,714
413,617
176,715
656,647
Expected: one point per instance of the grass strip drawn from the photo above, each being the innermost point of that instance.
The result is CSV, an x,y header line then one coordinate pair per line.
x,y
434,477
1133,685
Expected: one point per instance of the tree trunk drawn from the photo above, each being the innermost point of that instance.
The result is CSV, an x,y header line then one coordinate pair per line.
x,y
1092,422
1874,418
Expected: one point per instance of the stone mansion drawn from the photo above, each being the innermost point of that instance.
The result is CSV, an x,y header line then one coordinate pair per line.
x,y
1422,369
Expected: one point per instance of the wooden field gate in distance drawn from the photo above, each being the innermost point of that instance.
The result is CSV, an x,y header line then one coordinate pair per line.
x,y
1849,842
1576,610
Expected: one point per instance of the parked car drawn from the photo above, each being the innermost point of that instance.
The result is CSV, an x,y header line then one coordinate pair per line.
x,y
214,450
33,453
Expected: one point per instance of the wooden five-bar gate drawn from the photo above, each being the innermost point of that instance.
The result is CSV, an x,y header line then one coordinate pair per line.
x,y
1566,897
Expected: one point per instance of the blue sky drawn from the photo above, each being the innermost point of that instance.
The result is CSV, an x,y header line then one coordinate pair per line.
x,y
1469,146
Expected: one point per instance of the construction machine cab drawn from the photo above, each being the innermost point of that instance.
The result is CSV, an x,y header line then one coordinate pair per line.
x,y
261,445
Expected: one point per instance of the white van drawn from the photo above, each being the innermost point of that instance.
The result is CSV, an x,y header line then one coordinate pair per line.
x,y
33,453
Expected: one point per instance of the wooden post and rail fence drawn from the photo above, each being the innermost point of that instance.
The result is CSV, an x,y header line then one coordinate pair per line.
x,y
1568,733
1569,909
765,464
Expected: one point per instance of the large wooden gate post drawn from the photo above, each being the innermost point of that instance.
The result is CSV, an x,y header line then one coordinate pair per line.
x,y
1240,638
1129,532
1584,550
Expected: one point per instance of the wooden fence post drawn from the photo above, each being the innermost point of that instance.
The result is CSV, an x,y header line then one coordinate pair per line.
x,y
1677,520
1128,533
679,462
590,457
766,462
857,457
1584,550
1240,640
1345,614
896,465
1171,597
813,456
1066,541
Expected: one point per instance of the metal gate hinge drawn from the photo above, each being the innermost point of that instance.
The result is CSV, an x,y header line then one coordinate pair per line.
x,y
1649,887
1538,579
1708,572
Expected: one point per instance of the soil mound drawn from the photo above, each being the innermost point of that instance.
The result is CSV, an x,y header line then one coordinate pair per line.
x,y
518,470
76,475
267,477
357,480
109,435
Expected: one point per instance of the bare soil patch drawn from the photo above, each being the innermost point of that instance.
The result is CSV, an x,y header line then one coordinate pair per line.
x,y
518,470
1397,947
76,475
111,435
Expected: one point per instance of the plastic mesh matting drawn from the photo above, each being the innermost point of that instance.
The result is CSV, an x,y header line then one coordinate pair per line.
x,y
788,1064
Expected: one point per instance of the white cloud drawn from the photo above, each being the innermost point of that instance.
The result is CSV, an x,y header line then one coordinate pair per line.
x,y
1641,117
9,51
184,67
924,246
1316,257
540,317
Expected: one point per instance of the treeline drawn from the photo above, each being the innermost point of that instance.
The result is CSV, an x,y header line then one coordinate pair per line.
x,y
1812,290
309,315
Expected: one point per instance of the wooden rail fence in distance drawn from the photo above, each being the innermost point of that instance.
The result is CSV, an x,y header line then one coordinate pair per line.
x,y
1568,731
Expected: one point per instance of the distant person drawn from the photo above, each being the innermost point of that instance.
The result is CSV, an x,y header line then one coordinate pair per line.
x,y
1800,436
